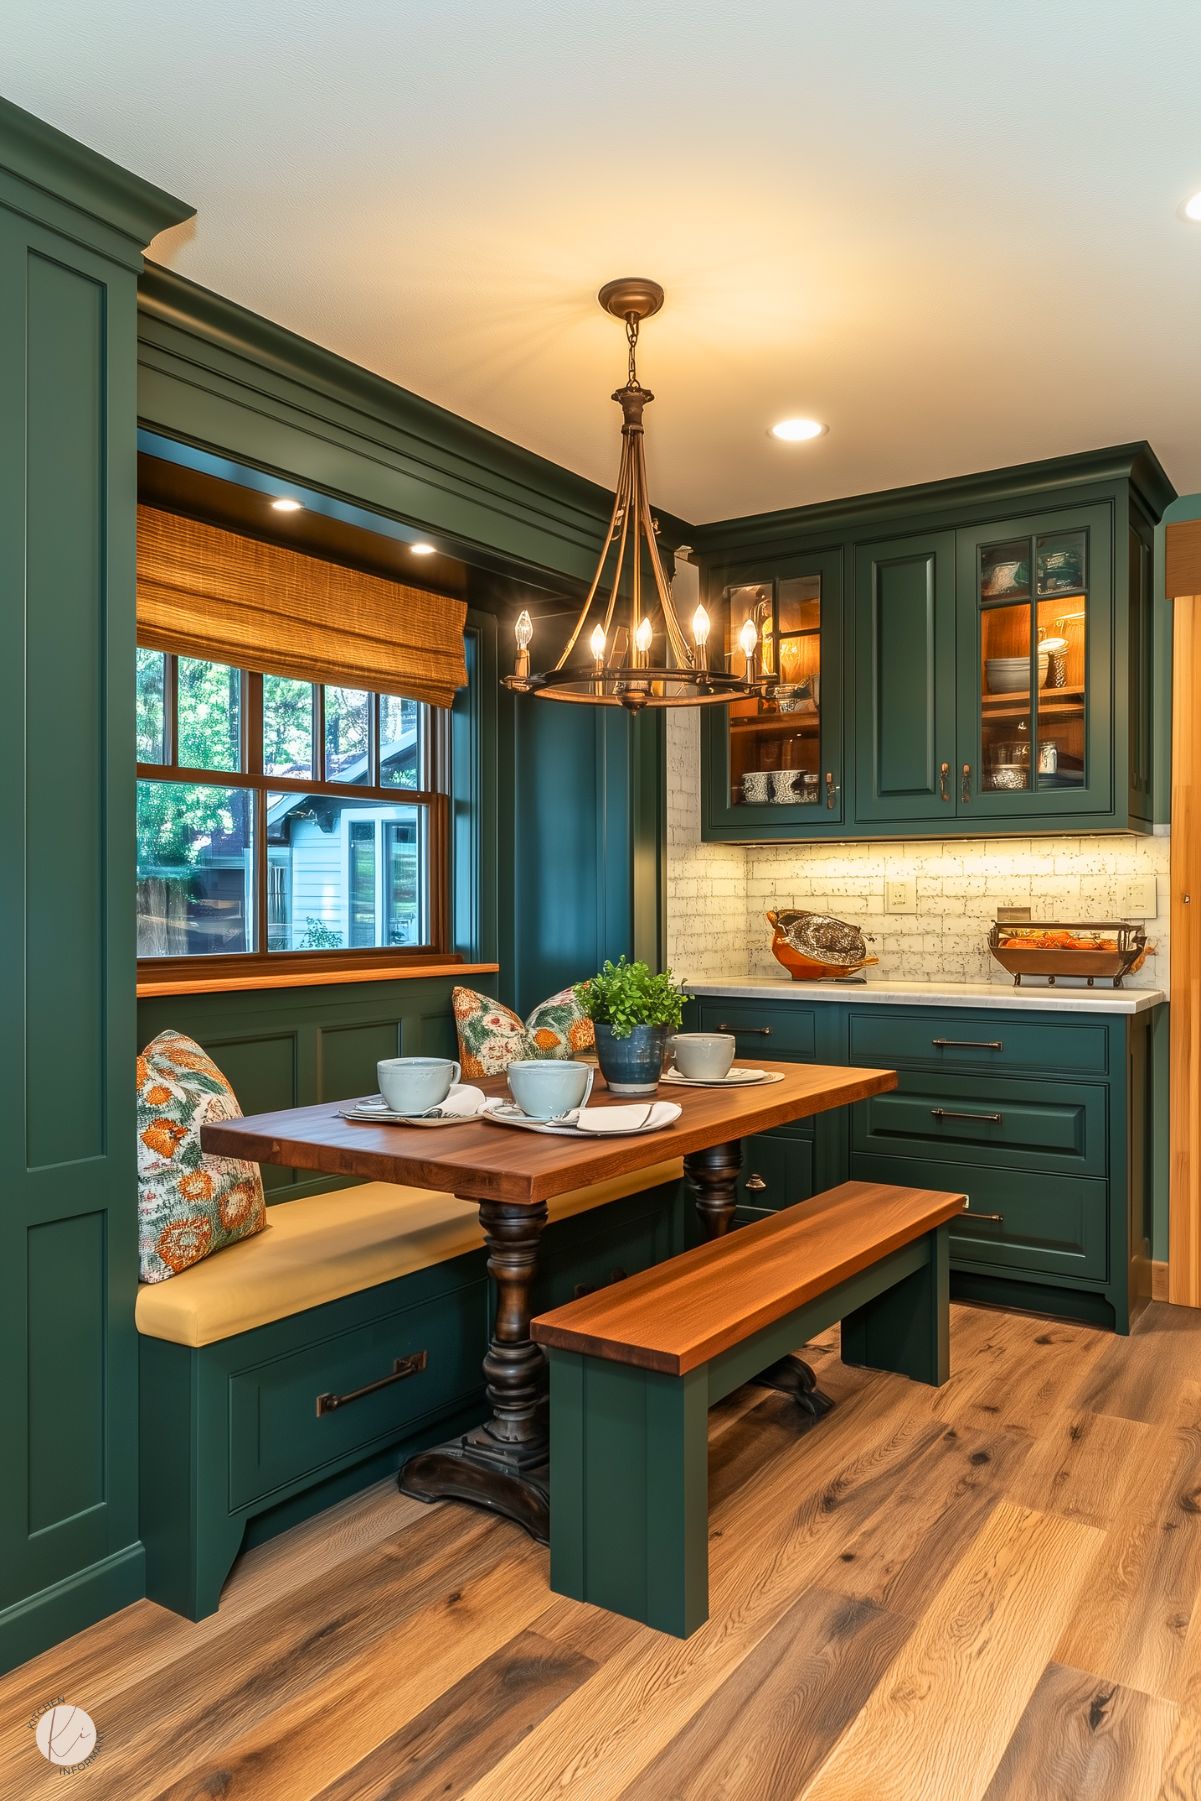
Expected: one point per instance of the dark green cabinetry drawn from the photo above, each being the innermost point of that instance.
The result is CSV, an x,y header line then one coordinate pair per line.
x,y
72,227
1041,1118
905,679
994,667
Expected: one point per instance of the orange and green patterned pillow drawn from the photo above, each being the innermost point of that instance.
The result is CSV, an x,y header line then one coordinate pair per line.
x,y
491,1036
189,1204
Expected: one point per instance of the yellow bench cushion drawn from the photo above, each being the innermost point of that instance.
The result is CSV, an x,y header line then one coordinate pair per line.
x,y
328,1245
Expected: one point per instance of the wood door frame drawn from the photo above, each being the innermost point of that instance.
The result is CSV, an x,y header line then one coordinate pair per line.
x,y
1183,584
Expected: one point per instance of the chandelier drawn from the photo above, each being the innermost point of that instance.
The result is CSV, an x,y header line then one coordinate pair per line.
x,y
639,653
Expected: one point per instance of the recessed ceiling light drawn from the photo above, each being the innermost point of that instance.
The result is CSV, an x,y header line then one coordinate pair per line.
x,y
797,431
285,504
422,550
1192,208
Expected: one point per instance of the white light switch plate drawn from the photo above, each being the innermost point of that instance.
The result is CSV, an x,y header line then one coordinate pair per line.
x,y
900,895
1137,899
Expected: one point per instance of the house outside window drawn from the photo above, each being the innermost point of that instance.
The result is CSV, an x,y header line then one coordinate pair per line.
x,y
281,819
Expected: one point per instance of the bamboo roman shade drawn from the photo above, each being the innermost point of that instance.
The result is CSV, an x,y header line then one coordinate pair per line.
x,y
204,592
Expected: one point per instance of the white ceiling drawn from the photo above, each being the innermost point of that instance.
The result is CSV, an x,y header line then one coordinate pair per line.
x,y
946,227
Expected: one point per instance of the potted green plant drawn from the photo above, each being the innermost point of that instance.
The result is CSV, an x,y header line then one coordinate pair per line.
x,y
633,1012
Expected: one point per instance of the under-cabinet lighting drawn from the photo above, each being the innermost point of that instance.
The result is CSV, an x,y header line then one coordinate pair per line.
x,y
285,504
422,550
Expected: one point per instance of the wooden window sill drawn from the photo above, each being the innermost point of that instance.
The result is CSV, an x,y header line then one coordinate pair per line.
x,y
316,978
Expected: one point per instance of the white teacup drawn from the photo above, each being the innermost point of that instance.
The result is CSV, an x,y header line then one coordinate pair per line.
x,y
415,1084
704,1056
548,1088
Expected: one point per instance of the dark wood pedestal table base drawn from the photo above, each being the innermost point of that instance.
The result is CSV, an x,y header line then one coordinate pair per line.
x,y
713,1177
502,1464
510,1177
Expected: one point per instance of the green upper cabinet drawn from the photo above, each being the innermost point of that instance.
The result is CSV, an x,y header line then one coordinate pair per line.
x,y
781,760
1035,660
994,667
905,678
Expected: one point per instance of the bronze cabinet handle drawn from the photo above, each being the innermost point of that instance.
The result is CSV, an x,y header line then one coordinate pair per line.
x,y
968,1044
995,1218
402,1367
966,790
748,1031
755,1184
944,781
831,788
991,1119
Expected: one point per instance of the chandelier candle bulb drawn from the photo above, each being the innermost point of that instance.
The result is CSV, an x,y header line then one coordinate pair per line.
x,y
523,631
597,643
700,633
643,637
748,638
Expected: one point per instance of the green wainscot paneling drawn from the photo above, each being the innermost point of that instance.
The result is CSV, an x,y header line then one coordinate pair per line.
x,y
72,227
1054,1126
292,1047
945,578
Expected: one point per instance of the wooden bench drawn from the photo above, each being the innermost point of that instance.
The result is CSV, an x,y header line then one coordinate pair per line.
x,y
635,1367
295,1367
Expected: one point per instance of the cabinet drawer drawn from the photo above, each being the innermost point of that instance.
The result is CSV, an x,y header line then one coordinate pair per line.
x,y
1052,1127
955,1040
276,1434
783,1031
1052,1225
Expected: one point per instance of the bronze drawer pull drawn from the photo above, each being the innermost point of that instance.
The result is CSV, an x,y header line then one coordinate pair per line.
x,y
968,1044
402,1367
831,788
965,792
944,781
748,1031
996,1218
989,1119
755,1184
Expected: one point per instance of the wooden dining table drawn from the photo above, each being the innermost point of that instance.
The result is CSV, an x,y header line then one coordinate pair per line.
x,y
509,1175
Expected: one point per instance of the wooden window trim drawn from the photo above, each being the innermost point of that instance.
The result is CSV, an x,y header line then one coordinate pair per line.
x,y
266,968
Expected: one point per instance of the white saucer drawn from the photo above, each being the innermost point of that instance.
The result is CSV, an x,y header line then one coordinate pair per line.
x,y
737,1078
504,1113
374,1111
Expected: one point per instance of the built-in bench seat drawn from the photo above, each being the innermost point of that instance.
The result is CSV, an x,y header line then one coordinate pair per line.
x,y
253,1362
635,1367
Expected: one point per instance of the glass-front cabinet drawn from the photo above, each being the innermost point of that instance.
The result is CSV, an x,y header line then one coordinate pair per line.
x,y
780,755
1034,660
983,655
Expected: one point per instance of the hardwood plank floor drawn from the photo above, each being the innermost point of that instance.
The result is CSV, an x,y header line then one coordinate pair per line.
x,y
988,1592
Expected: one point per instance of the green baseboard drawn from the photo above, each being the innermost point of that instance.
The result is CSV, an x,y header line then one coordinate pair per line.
x,y
56,1613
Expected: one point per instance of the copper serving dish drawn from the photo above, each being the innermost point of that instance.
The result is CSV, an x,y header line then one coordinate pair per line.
x,y
813,947
1110,949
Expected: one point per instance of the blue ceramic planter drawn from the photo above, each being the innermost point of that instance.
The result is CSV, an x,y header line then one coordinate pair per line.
x,y
631,1065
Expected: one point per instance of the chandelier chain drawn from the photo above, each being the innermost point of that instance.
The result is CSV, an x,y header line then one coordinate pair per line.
x,y
632,341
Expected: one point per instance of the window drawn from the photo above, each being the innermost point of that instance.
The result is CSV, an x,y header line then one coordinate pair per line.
x,y
283,819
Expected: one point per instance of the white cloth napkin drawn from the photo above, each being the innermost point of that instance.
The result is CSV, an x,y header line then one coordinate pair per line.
x,y
638,1116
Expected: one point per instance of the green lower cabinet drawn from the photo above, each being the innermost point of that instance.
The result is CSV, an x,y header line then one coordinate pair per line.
x,y
778,1169
1047,1121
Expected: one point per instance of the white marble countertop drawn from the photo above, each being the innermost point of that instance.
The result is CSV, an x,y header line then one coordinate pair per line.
x,y
1060,999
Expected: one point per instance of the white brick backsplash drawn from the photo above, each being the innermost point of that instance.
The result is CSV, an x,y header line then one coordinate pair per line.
x,y
717,894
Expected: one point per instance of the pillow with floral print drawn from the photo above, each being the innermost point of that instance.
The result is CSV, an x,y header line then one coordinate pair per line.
x,y
491,1036
189,1204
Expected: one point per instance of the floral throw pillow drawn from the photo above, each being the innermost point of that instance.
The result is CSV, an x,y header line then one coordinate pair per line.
x,y
189,1204
491,1036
